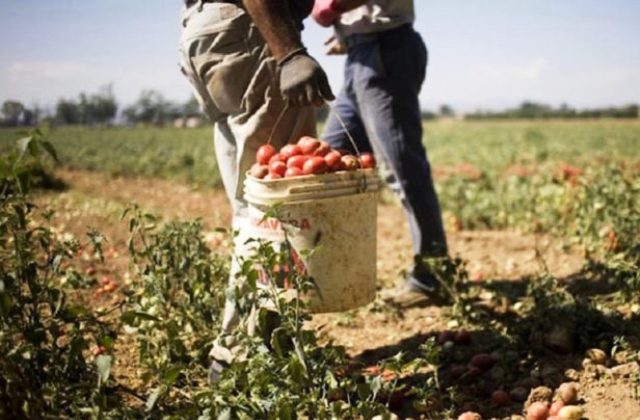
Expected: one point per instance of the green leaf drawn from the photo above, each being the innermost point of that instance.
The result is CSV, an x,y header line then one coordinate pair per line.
x,y
129,317
376,385
103,363
172,374
5,303
73,312
25,145
46,145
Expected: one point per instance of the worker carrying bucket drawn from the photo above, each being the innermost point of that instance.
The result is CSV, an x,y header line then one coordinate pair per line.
x,y
247,65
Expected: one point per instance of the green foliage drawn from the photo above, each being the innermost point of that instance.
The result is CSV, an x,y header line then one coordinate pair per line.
x,y
22,167
281,371
175,306
96,108
44,338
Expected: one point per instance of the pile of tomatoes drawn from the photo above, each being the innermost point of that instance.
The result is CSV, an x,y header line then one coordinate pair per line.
x,y
309,156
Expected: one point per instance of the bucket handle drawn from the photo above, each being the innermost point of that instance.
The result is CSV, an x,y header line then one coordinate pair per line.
x,y
353,143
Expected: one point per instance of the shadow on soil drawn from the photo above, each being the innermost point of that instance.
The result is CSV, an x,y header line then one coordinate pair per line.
x,y
541,343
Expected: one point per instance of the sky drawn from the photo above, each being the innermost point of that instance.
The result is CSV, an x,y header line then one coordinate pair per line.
x,y
483,54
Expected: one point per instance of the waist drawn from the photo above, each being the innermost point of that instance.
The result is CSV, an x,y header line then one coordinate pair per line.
x,y
357,39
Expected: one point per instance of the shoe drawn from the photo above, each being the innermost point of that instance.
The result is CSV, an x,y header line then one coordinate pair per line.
x,y
408,295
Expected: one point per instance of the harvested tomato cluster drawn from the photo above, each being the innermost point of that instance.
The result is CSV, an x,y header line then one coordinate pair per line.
x,y
309,156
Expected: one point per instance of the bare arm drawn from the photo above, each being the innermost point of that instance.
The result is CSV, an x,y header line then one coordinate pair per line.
x,y
275,22
302,80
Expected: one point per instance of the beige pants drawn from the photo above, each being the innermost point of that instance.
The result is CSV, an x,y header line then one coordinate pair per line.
x,y
236,81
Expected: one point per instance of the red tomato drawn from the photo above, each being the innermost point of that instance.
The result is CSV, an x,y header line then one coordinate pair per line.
x,y
291,150
445,336
322,150
556,407
315,165
457,371
98,350
308,144
350,162
277,167
259,171
293,171
538,411
108,288
367,161
462,338
264,153
483,361
271,176
500,398
333,160
297,161
469,415
277,157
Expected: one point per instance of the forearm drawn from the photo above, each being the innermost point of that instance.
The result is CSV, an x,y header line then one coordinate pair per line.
x,y
275,22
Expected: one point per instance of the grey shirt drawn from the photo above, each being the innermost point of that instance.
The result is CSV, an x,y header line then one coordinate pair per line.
x,y
375,16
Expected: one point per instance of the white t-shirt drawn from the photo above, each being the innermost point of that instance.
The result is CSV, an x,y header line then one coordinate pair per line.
x,y
375,16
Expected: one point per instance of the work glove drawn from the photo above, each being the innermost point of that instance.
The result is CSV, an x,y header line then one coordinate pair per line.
x,y
302,80
325,12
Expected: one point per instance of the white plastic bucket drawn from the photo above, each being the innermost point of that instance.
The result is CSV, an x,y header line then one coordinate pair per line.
x,y
333,215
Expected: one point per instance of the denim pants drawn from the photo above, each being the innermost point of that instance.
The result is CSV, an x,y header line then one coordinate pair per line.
x,y
380,107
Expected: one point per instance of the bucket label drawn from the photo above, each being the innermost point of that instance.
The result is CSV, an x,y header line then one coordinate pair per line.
x,y
276,224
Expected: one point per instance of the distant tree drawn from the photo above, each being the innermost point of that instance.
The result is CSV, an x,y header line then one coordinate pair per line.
x,y
68,112
97,108
428,115
11,112
446,111
191,108
150,108
28,117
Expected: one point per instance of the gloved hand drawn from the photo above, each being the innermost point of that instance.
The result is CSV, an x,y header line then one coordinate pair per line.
x,y
302,80
325,12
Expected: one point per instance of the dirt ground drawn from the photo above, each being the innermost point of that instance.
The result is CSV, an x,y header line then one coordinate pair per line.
x,y
97,200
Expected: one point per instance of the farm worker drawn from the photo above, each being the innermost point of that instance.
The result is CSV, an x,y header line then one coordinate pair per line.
x,y
385,68
254,79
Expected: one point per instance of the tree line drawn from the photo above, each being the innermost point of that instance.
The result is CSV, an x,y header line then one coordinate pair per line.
x,y
100,108
532,110
152,108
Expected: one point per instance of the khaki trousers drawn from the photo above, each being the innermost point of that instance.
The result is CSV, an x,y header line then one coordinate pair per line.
x,y
236,81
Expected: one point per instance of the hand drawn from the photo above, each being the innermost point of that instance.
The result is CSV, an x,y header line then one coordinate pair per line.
x,y
335,46
325,12
303,82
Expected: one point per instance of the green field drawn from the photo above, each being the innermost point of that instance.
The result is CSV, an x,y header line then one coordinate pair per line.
x,y
516,174
187,154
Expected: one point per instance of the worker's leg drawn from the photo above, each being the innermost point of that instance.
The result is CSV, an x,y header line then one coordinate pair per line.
x,y
388,75
235,80
334,132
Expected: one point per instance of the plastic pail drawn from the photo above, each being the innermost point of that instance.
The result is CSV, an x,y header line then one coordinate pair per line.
x,y
334,215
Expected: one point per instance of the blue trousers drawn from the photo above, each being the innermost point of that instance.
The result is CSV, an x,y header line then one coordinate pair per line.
x,y
380,107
